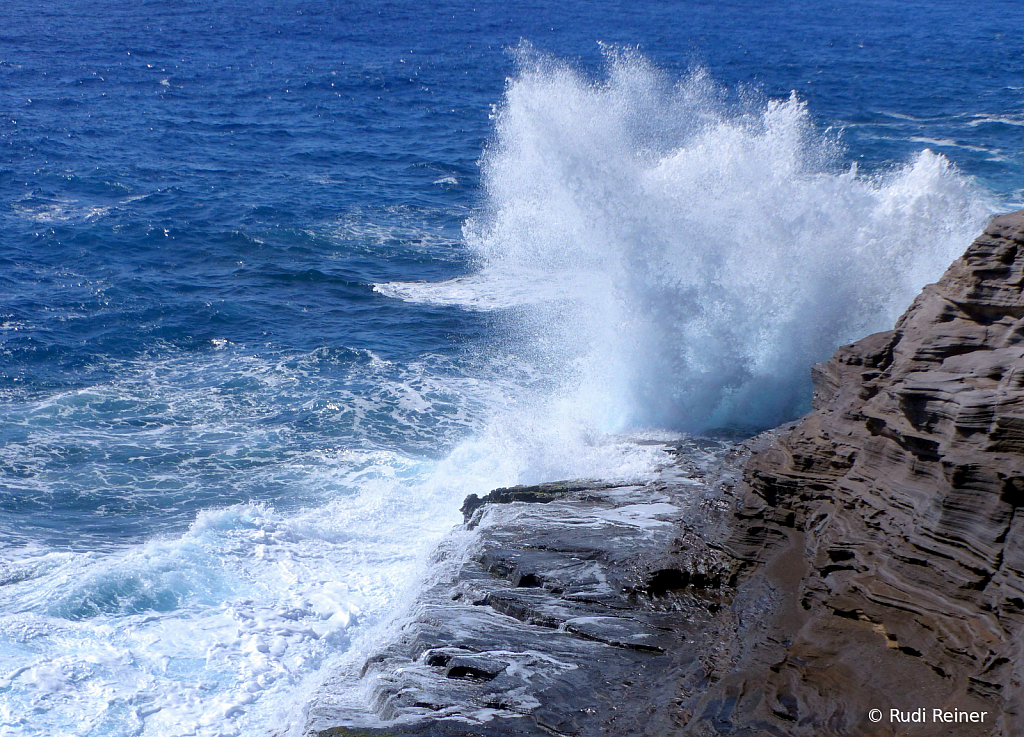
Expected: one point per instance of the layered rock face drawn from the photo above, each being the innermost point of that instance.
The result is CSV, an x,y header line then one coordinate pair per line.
x,y
900,499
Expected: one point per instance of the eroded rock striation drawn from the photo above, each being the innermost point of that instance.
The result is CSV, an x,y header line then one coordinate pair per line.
x,y
900,499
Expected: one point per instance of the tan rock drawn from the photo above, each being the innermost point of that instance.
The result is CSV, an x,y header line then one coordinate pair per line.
x,y
906,487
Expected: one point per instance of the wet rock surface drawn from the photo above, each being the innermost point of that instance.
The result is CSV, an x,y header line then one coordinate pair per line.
x,y
870,556
581,609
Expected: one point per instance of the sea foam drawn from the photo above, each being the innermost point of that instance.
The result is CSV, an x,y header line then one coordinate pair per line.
x,y
225,627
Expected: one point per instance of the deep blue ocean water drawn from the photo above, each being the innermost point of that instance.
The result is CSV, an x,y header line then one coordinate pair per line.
x,y
280,283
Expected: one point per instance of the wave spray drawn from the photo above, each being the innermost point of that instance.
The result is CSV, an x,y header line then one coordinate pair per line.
x,y
678,258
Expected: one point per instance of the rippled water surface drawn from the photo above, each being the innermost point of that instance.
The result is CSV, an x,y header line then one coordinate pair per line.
x,y
281,283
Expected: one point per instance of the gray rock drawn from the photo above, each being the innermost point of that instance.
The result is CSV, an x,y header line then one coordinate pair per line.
x,y
576,614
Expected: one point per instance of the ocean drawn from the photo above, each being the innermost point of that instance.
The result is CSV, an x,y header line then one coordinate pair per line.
x,y
282,283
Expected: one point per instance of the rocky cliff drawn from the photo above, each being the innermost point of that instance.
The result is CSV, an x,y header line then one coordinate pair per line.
x,y
896,510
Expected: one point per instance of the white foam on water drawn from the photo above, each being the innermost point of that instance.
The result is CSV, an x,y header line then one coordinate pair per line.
x,y
214,632
950,143
481,291
220,630
60,211
175,637
386,227
981,119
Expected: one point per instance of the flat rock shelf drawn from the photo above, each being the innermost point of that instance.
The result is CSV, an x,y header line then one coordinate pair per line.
x,y
581,608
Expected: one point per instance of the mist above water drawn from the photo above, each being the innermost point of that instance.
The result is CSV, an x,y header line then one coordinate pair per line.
x,y
678,255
